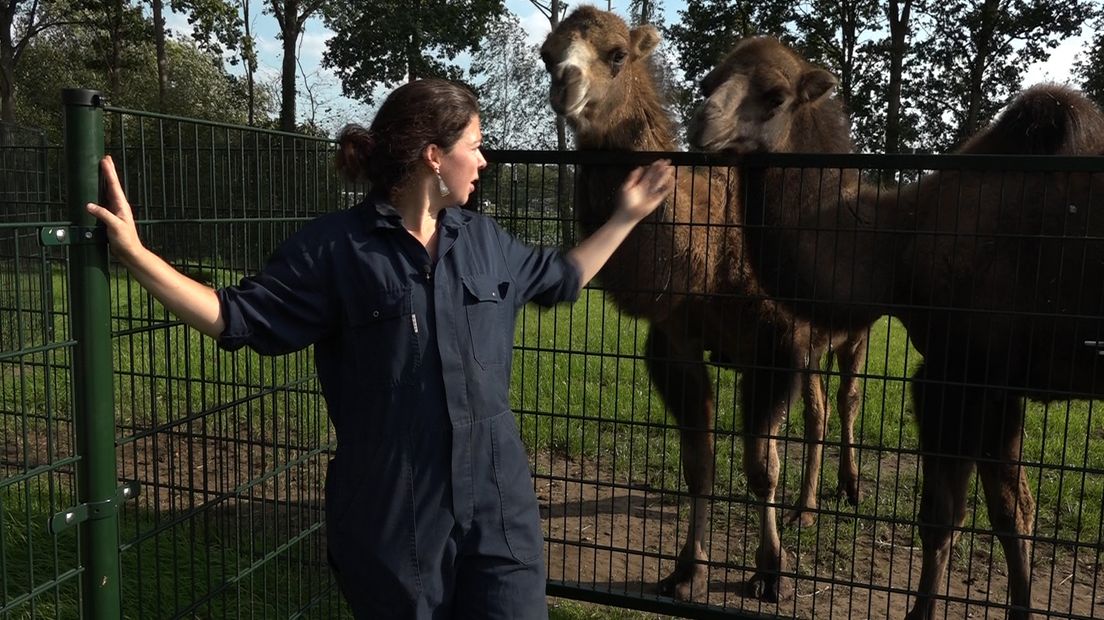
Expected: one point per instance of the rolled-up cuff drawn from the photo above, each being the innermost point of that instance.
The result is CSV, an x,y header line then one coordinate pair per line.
x,y
235,332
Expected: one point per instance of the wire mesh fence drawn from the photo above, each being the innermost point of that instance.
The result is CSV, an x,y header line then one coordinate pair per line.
x,y
652,407
656,471
231,447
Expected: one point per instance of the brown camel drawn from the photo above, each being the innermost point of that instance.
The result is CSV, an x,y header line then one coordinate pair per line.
x,y
684,270
998,276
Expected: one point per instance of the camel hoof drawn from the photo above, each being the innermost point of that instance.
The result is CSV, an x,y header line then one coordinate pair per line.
x,y
770,587
801,517
683,582
849,488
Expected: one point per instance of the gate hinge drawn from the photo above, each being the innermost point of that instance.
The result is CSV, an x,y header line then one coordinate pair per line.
x,y
93,510
70,235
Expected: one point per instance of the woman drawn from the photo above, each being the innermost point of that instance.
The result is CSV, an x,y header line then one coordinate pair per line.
x,y
410,302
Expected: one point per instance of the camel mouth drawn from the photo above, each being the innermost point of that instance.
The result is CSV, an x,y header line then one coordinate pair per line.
x,y
569,99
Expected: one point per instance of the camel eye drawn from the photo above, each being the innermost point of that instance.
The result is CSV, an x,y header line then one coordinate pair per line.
x,y
773,99
618,57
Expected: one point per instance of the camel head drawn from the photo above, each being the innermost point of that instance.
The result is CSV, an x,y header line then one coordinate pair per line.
x,y
753,97
593,58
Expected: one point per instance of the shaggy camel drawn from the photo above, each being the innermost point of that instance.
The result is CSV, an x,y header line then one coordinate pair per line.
x,y
998,276
684,270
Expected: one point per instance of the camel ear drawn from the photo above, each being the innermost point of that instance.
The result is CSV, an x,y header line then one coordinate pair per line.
x,y
643,41
815,84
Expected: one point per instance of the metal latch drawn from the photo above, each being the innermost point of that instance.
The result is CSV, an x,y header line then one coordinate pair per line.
x,y
70,235
93,510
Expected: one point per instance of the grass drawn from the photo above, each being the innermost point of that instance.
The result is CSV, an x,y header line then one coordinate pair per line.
x,y
582,389
579,386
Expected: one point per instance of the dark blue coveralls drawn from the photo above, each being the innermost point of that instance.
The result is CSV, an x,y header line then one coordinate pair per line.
x,y
430,510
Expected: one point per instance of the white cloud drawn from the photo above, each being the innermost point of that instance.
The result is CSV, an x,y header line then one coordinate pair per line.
x,y
312,44
536,26
1058,68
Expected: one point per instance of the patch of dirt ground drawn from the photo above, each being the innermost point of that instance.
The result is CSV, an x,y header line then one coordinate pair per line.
x,y
621,537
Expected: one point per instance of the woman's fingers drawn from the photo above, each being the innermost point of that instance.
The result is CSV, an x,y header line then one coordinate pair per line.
x,y
634,177
104,215
659,175
115,194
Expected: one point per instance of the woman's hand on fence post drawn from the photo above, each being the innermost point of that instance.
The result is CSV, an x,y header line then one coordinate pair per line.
x,y
193,302
118,219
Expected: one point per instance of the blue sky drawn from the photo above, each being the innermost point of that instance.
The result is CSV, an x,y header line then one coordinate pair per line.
x,y
332,110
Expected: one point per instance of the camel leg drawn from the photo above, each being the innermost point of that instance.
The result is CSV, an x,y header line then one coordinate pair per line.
x,y
816,428
1011,506
680,376
852,359
766,396
946,436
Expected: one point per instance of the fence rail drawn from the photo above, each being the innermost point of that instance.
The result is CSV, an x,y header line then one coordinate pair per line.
x,y
228,451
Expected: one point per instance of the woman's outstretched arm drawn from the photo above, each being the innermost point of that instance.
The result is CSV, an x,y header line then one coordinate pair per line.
x,y
192,302
643,190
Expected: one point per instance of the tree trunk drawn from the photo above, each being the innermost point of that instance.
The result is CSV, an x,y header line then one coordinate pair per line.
x,y
116,54
898,30
290,33
848,41
983,43
248,59
7,66
159,46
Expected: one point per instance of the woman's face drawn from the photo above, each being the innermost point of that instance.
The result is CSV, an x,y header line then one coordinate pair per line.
x,y
461,164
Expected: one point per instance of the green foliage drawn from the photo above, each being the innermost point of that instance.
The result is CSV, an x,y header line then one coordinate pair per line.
x,y
708,29
198,84
215,25
975,55
382,43
1089,69
838,36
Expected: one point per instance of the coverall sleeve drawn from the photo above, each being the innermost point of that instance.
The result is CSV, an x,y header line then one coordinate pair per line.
x,y
543,275
289,305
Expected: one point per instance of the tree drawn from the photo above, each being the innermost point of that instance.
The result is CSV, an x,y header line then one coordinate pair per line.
x,y
975,56
830,33
290,16
554,10
513,89
1089,68
198,85
214,22
20,22
898,14
390,41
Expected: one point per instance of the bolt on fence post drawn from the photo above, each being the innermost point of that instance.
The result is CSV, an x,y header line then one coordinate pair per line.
x,y
93,395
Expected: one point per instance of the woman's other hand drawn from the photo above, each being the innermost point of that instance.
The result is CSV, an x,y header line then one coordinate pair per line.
x,y
644,189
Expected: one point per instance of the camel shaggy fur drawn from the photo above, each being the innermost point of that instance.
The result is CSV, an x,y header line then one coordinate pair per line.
x,y
685,270
998,276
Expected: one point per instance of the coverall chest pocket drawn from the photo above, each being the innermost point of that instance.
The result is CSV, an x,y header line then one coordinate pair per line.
x,y
382,334
489,321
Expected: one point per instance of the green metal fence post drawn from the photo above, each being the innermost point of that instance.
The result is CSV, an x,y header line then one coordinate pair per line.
x,y
94,416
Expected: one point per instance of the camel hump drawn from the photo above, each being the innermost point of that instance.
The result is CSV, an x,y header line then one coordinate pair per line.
x,y
1045,119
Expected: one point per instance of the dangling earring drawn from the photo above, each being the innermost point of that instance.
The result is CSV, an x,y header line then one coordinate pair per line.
x,y
441,187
